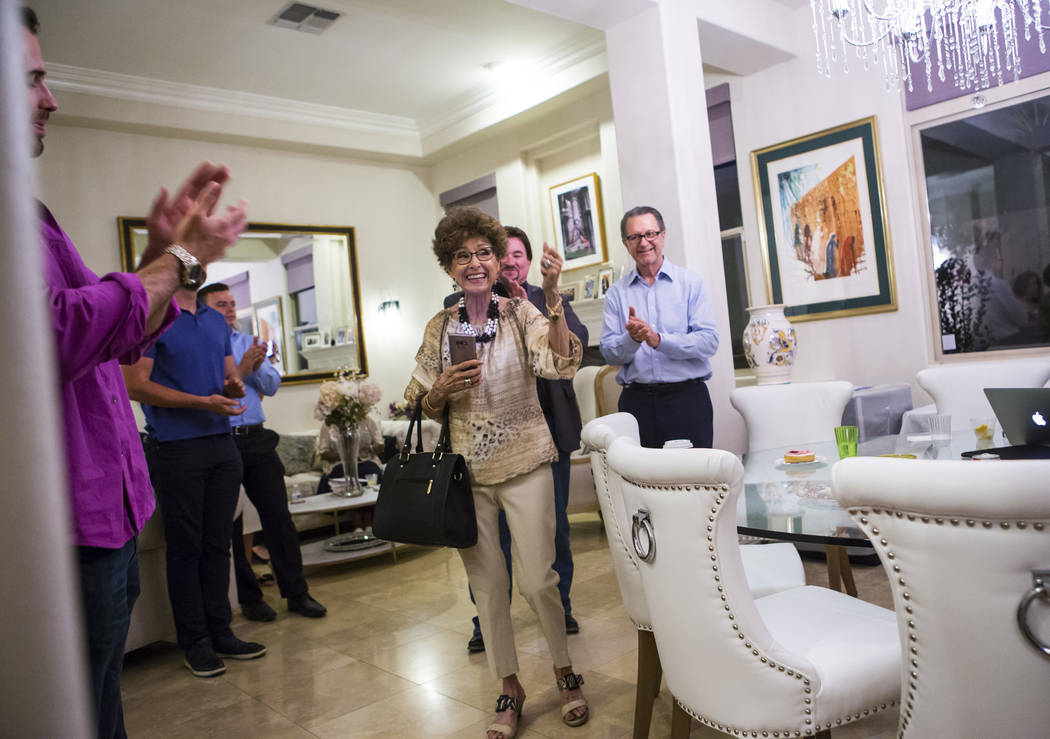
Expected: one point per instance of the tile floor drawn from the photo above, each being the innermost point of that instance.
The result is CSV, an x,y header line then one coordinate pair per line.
x,y
390,660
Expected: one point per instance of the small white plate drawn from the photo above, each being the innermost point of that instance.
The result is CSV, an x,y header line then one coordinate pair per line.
x,y
784,465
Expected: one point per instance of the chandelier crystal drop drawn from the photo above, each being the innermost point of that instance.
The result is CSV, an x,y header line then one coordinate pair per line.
x,y
972,44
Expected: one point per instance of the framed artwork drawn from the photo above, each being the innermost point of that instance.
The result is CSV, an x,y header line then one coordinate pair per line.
x,y
605,280
579,232
571,290
822,218
342,335
311,340
269,327
590,288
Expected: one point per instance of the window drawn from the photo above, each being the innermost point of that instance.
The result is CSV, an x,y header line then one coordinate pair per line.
x,y
988,187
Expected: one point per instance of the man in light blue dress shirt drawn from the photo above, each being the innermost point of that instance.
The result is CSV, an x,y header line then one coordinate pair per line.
x,y
660,328
263,477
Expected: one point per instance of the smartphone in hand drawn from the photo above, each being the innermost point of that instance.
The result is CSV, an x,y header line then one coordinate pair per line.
x,y
462,347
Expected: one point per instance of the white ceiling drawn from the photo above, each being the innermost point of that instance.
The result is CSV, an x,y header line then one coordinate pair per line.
x,y
407,58
392,77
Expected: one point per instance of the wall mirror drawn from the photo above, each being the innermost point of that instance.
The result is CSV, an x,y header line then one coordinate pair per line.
x,y
295,286
987,178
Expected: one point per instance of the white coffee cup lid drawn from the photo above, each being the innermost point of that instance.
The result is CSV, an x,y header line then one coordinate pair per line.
x,y
678,444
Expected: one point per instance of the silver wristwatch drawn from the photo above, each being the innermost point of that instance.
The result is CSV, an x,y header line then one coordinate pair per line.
x,y
191,273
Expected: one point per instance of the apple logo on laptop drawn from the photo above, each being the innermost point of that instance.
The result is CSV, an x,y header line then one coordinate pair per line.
x,y
1038,418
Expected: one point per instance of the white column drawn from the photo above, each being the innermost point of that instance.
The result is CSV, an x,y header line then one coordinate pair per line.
x,y
657,83
43,686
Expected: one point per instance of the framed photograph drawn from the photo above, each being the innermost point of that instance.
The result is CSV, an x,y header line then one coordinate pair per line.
x,y
343,335
571,290
579,232
822,218
605,280
312,340
590,288
269,327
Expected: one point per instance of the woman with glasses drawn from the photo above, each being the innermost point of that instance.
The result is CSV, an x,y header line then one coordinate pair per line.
x,y
497,425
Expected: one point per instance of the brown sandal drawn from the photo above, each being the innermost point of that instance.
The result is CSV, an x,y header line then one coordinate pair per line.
x,y
573,681
503,704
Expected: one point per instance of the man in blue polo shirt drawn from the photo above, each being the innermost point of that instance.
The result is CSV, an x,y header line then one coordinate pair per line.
x,y
188,385
263,476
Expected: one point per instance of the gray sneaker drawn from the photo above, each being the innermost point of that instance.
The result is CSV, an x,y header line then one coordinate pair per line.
x,y
234,648
202,660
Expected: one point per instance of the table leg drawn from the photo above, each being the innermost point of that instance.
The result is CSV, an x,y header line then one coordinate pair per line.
x,y
831,554
336,514
847,572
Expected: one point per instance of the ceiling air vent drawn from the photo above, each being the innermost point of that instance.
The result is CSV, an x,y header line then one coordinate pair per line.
x,y
303,17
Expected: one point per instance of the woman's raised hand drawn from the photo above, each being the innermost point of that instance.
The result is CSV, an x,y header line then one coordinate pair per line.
x,y
550,268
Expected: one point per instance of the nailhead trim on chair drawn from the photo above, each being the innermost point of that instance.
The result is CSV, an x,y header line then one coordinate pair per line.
x,y
862,514
809,729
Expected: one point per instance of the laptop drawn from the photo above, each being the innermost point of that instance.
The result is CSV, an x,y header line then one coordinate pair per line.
x,y
1024,414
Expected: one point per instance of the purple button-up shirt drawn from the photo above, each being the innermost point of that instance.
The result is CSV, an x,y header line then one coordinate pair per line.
x,y
99,324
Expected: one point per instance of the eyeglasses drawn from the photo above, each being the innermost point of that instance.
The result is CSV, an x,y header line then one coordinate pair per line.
x,y
483,254
648,236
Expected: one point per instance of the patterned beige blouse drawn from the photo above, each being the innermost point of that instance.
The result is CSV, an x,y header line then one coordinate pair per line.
x,y
497,425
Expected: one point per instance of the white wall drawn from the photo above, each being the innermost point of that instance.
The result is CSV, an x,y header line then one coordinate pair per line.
x,y
792,100
89,177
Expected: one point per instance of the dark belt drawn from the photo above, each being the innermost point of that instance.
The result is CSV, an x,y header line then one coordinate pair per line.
x,y
247,429
663,387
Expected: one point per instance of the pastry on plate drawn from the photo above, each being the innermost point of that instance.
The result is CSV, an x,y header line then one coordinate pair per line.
x,y
797,456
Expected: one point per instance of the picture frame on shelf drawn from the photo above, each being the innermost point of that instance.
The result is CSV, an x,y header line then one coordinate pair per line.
x,y
571,290
822,215
605,280
342,335
312,340
269,327
579,230
590,288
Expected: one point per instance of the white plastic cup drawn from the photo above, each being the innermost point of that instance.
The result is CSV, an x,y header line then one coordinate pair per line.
x,y
678,444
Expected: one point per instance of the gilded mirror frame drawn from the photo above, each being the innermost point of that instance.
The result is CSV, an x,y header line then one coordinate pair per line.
x,y
128,226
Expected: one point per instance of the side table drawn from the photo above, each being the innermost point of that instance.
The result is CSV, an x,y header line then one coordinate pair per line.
x,y
314,553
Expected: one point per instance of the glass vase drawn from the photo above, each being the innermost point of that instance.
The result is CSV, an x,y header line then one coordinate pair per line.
x,y
348,444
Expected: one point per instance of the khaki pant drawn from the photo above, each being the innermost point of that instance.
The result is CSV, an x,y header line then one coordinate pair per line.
x,y
528,502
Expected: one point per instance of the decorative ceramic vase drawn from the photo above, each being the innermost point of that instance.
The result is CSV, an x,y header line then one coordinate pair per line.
x,y
770,344
348,444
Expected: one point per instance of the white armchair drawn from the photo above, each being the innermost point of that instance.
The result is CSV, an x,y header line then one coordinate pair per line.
x,y
960,541
799,662
791,414
769,568
957,389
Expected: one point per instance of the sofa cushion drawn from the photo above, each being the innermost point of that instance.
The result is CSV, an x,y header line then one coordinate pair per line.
x,y
298,451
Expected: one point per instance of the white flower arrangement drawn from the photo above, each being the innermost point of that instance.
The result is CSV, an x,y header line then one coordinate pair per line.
x,y
345,401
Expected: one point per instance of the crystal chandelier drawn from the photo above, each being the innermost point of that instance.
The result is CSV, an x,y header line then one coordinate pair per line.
x,y
967,42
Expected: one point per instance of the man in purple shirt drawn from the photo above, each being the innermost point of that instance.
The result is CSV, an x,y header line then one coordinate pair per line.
x,y
98,324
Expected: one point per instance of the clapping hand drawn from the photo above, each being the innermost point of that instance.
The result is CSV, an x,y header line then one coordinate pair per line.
x,y
165,215
641,331
253,357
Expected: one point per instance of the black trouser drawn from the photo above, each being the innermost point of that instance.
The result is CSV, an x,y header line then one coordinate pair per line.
x,y
264,484
665,411
197,482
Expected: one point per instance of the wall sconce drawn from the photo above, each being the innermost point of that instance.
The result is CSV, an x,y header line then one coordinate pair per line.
x,y
390,308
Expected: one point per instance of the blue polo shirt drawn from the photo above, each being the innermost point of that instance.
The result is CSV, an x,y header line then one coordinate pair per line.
x,y
191,357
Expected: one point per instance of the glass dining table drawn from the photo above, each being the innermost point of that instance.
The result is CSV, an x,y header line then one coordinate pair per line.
x,y
794,502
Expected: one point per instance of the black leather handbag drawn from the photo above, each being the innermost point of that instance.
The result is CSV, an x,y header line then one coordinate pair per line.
x,y
425,497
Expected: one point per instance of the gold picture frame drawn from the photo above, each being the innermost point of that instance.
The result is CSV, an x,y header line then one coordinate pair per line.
x,y
823,226
579,226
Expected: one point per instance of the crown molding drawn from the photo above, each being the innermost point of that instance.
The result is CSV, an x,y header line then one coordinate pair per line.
x,y
565,58
64,77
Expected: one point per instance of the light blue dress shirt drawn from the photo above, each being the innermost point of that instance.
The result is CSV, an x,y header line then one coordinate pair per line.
x,y
263,381
678,307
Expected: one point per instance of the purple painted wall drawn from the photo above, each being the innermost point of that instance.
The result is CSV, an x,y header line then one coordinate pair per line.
x,y
1032,62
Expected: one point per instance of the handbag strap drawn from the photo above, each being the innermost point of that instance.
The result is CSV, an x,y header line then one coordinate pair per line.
x,y
416,422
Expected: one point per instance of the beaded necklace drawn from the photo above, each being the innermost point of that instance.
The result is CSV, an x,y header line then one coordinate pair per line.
x,y
490,325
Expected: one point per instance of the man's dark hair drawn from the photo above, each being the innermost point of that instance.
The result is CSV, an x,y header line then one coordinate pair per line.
x,y
29,20
640,210
215,287
513,232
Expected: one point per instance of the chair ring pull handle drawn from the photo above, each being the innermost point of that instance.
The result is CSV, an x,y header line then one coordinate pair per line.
x,y
1040,581
642,536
